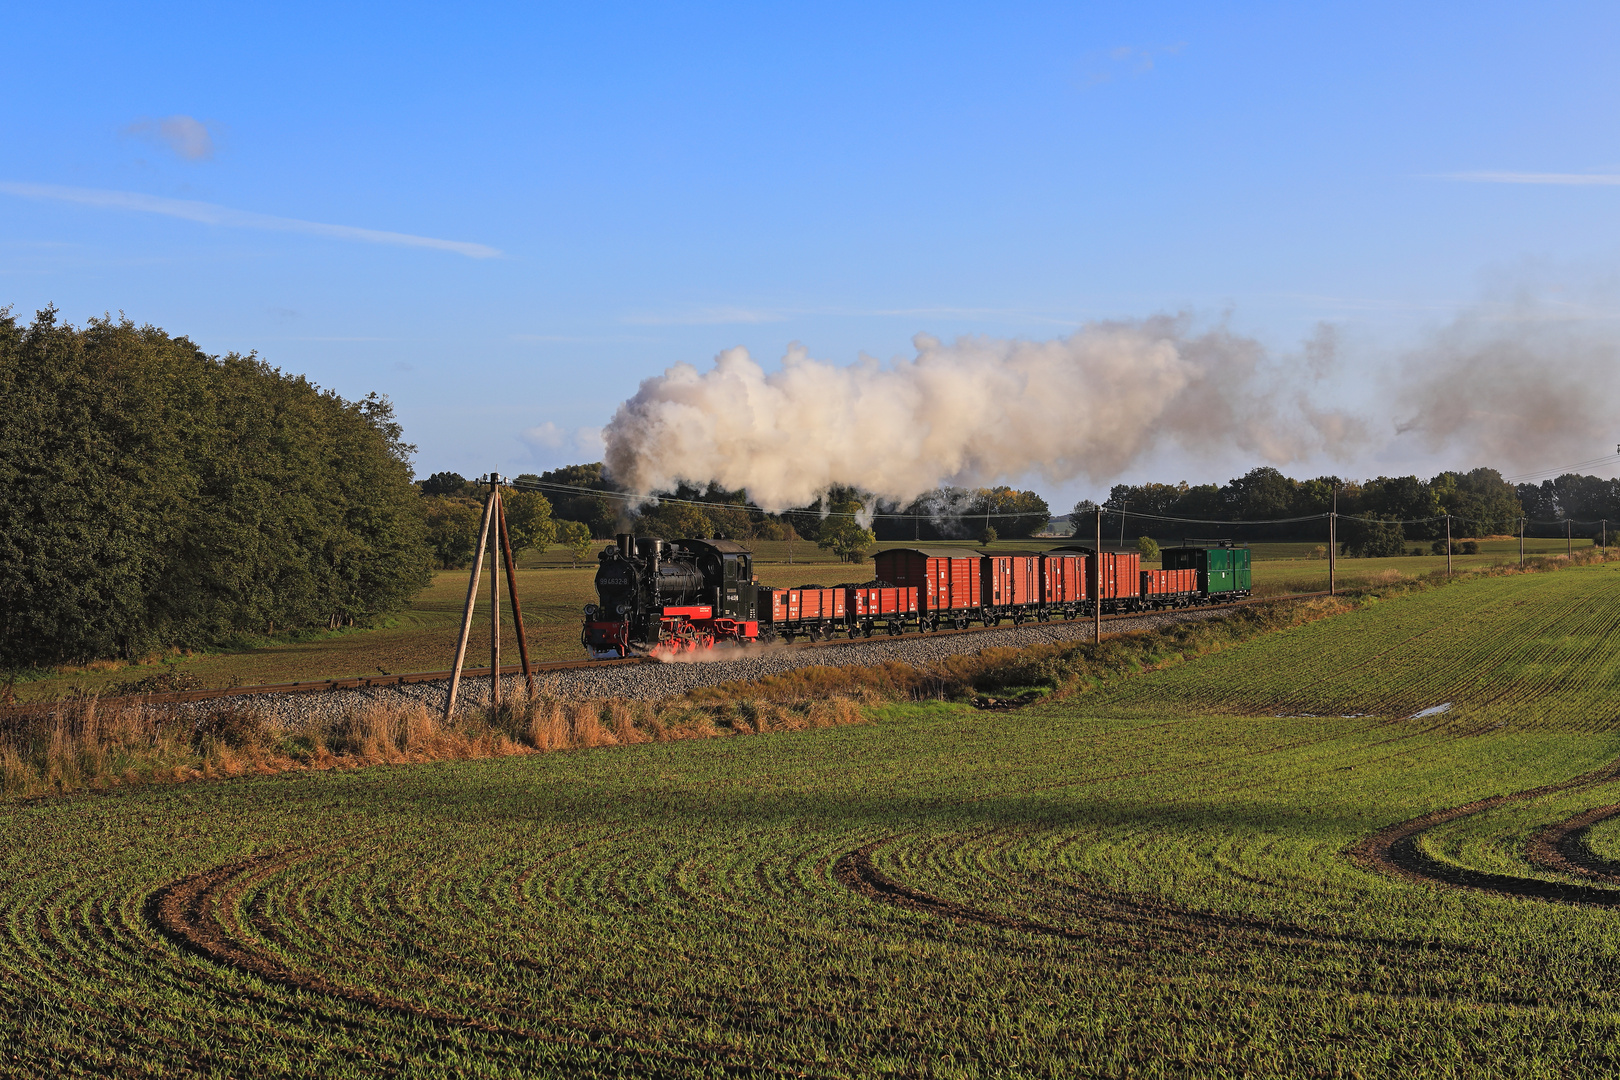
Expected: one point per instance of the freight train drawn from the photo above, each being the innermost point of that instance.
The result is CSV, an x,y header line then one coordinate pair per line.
x,y
676,596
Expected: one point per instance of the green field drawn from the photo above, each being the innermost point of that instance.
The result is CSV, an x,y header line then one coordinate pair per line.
x,y
1149,881
552,592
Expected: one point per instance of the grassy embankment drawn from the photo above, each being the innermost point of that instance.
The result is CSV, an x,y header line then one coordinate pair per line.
x,y
552,592
1146,877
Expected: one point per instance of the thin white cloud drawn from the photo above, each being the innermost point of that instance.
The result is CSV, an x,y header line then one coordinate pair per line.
x,y
187,136
1127,60
722,316
1567,179
574,339
211,214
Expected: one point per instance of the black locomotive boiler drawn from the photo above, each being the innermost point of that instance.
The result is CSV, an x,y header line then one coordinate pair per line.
x,y
675,596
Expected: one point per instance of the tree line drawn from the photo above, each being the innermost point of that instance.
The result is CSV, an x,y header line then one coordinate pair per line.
x,y
153,496
1480,503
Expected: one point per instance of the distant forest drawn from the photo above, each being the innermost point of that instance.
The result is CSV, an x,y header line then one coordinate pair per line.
x,y
1480,502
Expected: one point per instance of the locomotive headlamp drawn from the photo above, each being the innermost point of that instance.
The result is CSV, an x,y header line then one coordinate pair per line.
x,y
590,609
622,608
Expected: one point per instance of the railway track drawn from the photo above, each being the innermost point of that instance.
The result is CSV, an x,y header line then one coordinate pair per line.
x,y
364,682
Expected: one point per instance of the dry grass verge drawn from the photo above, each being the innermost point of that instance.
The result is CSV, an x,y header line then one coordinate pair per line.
x,y
100,744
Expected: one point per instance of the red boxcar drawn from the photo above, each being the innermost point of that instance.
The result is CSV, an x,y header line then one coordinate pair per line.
x,y
1164,586
1119,585
868,602
807,605
1121,576
1063,578
949,580
1012,578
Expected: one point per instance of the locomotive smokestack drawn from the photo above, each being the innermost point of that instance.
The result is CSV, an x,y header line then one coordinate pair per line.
x,y
624,541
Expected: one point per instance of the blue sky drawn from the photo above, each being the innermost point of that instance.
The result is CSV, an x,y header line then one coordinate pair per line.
x,y
506,217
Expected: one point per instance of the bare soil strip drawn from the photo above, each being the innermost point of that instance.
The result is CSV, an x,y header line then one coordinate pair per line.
x,y
1394,850
1562,847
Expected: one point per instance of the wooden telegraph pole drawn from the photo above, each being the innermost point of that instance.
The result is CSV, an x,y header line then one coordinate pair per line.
x,y
493,532
467,612
1521,543
517,609
495,596
1096,594
1448,545
1333,542
1569,537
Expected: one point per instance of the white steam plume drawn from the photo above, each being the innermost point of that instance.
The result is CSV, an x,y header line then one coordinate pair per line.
x,y
972,412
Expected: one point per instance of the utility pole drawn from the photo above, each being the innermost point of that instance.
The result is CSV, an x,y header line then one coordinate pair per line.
x,y
1521,543
1605,538
495,596
1096,595
1448,545
1333,542
517,608
467,612
1122,507
1569,536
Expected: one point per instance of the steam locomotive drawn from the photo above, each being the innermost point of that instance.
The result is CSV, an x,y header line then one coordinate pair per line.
x,y
687,595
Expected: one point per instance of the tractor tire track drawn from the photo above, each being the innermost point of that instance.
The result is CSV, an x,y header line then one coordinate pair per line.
x,y
1562,848
1394,850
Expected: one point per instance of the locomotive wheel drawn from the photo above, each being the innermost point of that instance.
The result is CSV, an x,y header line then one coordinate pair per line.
x,y
854,632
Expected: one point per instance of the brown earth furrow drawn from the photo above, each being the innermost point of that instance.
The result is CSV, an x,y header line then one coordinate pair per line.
x,y
1562,848
1394,849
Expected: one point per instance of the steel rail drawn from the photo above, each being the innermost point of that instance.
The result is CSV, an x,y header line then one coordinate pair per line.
x,y
368,682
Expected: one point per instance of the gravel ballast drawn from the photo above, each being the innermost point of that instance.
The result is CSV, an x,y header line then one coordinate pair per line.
x,y
657,681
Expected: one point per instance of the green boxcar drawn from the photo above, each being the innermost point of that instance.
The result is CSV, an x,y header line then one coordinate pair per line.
x,y
1222,571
